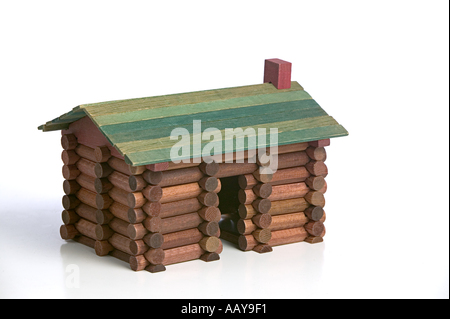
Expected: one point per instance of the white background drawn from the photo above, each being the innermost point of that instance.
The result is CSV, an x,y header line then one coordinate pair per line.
x,y
380,68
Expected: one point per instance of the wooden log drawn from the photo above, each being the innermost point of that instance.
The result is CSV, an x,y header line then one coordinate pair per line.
x,y
245,226
102,247
69,142
209,169
180,207
153,178
294,159
181,165
317,153
102,170
152,209
120,180
70,187
323,190
138,247
264,176
153,224
288,191
288,236
263,190
210,213
181,176
138,263
317,168
209,244
121,243
154,240
286,221
103,201
296,147
103,216
247,181
70,202
136,183
288,206
208,198
69,157
289,175
315,182
136,231
68,232
207,257
209,183
85,152
87,212
86,182
178,223
86,228
263,248
315,198
155,255
86,167
314,239
229,236
137,199
69,217
103,232
153,193
262,205
102,185
70,172
120,165
102,154
234,169
262,235
119,210
320,143
158,167
314,213
116,253
315,228
119,195
262,220
181,238
180,192
209,228
182,254
246,211
136,215
119,226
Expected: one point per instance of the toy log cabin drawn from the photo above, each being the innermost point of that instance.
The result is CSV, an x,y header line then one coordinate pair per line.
x,y
135,192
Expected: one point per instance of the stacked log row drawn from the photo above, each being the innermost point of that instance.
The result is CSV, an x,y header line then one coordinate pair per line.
x,y
186,227
287,206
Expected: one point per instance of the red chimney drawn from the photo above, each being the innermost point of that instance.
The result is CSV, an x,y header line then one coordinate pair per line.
x,y
278,72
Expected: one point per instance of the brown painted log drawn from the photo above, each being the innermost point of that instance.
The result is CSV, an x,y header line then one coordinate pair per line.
x,y
317,168
317,153
153,178
120,180
103,232
315,182
229,236
209,183
120,165
86,182
180,207
119,210
264,176
181,222
102,154
138,247
154,240
70,172
153,224
289,175
208,198
210,213
103,201
121,243
180,192
314,213
288,191
86,228
262,235
138,263
246,211
158,167
85,152
70,202
314,239
209,244
155,256
70,187
209,228
315,228
136,231
247,181
69,157
69,141
152,209
181,165
137,199
262,220
89,242
285,221
136,183
87,212
181,238
116,253
102,185
262,205
68,232
234,169
86,167
315,198
181,176
103,170
119,195
209,169
245,226
119,226
153,193
262,190
182,254
288,236
288,206
323,190
291,148
320,143
263,248
136,215
102,247
294,159
103,216
207,257
69,217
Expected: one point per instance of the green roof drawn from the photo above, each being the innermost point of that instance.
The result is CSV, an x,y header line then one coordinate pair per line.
x,y
140,128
